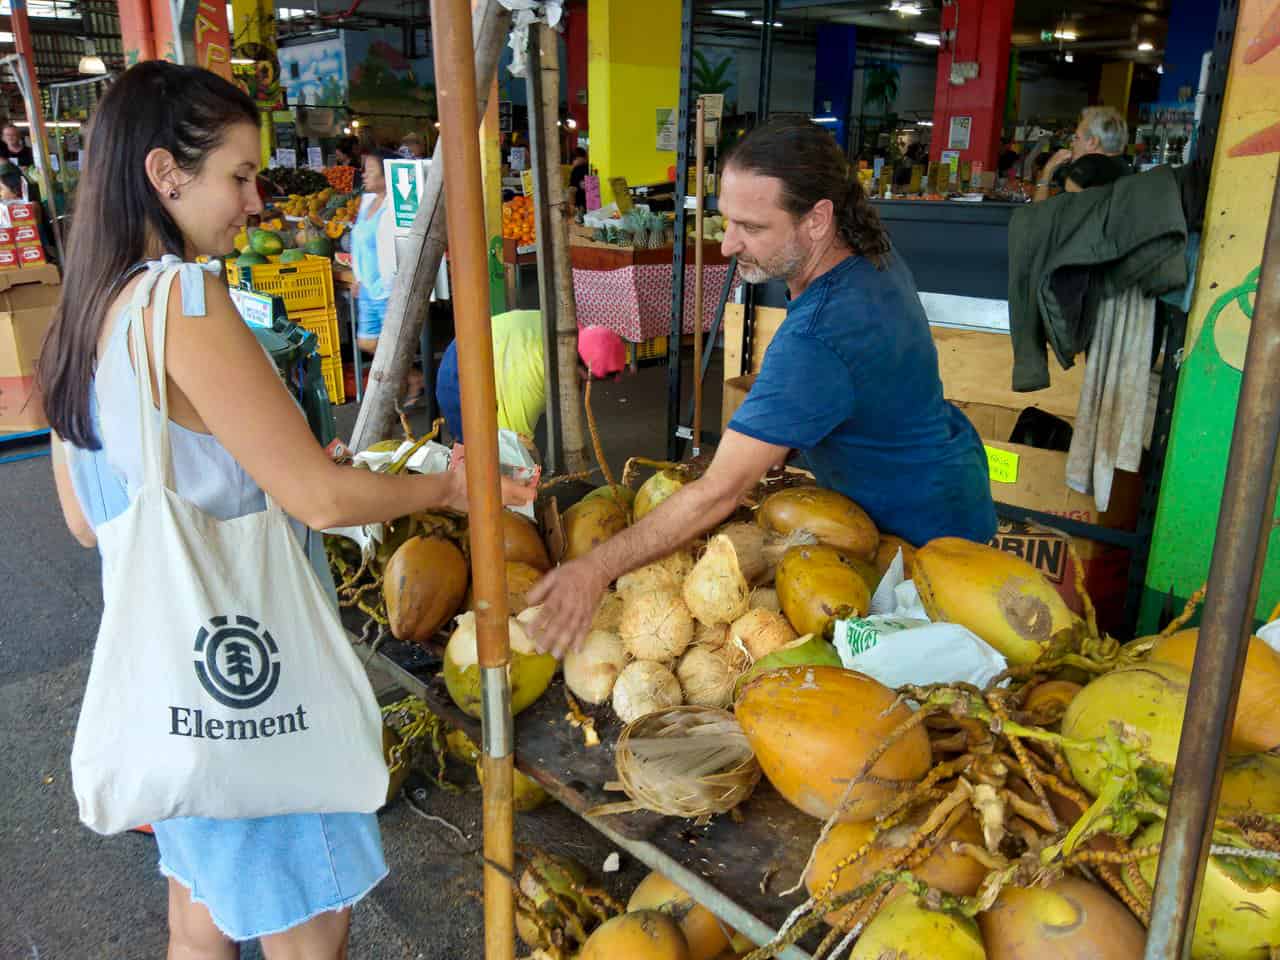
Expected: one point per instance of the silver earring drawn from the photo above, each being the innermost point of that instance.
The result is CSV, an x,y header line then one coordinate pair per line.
x,y
173,194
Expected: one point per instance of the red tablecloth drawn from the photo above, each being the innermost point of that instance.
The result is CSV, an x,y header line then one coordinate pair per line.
x,y
635,302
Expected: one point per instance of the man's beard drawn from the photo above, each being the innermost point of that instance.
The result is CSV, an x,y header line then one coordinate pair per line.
x,y
783,266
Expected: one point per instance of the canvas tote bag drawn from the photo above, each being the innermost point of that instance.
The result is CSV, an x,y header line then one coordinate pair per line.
x,y
222,684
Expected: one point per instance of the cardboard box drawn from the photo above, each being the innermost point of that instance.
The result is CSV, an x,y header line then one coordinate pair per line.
x,y
27,301
20,405
28,236
9,259
21,213
31,256
6,238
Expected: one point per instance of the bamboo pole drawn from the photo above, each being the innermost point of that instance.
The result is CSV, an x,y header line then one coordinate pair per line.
x,y
457,92
699,147
421,252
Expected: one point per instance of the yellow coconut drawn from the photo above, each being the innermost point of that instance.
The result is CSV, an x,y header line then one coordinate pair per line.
x,y
748,545
553,877
1070,919
760,632
591,668
526,794
803,651
1150,697
624,497
813,729
665,574
644,687
831,517
461,747
818,583
1238,920
715,591
998,596
521,542
707,675
905,930
520,580
642,935
654,490
1250,785
703,932
1051,698
888,549
423,585
1256,728
589,523
944,869
530,671
655,625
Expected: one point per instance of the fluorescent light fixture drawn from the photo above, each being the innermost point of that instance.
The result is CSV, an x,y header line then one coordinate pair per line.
x,y
928,39
825,120
924,123
1146,46
760,23
6,37
243,61
736,14
571,123
1160,68
290,13
1070,58
905,8
1068,35
49,124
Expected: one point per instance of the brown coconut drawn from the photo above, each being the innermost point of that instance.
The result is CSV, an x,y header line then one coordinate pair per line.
x,y
423,586
760,632
665,574
707,675
831,517
642,688
748,541
608,613
521,542
520,580
716,591
655,626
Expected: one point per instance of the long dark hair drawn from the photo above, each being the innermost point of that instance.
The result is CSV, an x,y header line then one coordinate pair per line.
x,y
812,167
119,220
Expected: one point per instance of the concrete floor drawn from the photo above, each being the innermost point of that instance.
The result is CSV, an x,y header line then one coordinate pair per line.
x,y
68,893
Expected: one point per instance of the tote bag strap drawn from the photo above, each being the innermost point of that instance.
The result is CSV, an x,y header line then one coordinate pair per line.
x,y
154,430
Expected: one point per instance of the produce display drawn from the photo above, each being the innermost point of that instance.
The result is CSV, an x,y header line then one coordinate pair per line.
x,y
1019,820
517,221
288,180
341,178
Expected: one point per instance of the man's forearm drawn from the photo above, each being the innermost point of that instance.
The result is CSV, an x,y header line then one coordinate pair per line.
x,y
690,511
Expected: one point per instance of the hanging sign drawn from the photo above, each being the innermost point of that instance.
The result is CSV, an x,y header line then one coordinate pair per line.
x,y
667,129
591,186
621,193
286,157
213,38
405,182
526,182
959,134
315,158
519,158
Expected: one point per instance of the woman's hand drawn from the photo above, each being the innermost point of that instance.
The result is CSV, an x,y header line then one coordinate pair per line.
x,y
514,493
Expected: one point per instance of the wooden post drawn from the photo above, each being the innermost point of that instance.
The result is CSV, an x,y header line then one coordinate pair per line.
x,y
457,89
699,150
566,440
422,252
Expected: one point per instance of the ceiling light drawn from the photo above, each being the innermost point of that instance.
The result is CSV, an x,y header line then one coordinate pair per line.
x,y
736,14
825,120
1068,35
356,124
924,123
1146,46
243,61
928,39
50,124
905,8
1160,68
571,123
6,37
760,23
1070,58
91,63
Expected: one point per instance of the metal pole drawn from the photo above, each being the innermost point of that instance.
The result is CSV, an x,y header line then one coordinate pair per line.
x,y
547,299
699,147
766,61
1239,551
456,91
24,71
678,250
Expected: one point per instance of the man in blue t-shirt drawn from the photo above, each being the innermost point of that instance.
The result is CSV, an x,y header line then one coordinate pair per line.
x,y
851,379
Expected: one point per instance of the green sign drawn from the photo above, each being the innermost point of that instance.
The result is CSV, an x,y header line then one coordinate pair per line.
x,y
403,184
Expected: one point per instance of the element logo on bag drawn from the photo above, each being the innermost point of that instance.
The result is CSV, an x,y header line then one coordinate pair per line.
x,y
237,663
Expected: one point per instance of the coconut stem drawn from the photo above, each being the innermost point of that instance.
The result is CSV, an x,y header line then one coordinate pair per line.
x,y
1091,616
1028,768
1188,611
594,430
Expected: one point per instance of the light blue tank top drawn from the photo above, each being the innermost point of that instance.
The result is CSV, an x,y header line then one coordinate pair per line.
x,y
364,250
204,472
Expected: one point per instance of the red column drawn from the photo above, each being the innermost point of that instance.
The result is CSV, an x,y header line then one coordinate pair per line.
x,y
575,39
974,32
136,31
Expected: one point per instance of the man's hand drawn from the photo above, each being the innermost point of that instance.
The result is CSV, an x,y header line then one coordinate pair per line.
x,y
570,595
1056,161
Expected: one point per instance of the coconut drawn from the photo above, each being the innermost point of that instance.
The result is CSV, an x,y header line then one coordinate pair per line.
x,y
761,632
888,549
589,523
1051,698
423,585
1239,919
748,541
714,636
1256,728
1070,919
905,930
526,794
642,688
642,935
654,490
1151,697
551,877
818,583
1250,785
706,935
707,675
716,591
528,671
521,542
808,650
591,669
624,497
764,598
608,613
655,625
776,547
831,517
395,781
813,729
665,574
520,580
461,747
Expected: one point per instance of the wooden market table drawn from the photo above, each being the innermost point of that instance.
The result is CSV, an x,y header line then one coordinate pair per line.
x,y
734,866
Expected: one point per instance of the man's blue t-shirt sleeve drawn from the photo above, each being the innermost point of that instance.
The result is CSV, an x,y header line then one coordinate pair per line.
x,y
802,393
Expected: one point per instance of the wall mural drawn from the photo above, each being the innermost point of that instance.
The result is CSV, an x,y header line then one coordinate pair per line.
x,y
395,94
315,74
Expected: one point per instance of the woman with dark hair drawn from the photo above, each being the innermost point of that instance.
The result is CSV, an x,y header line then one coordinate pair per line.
x,y
171,174
851,378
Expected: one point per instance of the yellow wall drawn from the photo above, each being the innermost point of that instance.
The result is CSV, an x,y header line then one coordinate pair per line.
x,y
633,71
1115,83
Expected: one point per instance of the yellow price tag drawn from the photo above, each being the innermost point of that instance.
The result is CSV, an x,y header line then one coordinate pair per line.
x,y
1002,464
526,182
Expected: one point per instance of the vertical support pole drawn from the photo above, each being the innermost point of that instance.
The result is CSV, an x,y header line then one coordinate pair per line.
x,y
25,72
678,251
457,92
1239,552
699,140
136,31
766,61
